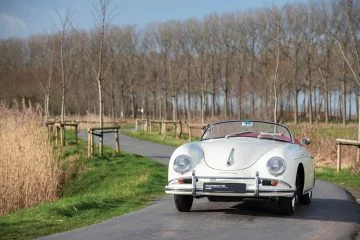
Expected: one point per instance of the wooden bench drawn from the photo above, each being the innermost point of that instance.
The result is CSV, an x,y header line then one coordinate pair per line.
x,y
347,142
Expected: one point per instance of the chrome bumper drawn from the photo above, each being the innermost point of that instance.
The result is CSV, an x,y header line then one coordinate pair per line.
x,y
254,187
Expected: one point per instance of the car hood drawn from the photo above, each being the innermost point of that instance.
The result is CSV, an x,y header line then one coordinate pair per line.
x,y
236,153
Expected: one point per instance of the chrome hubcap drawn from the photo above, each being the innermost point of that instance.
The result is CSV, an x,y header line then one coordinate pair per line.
x,y
293,202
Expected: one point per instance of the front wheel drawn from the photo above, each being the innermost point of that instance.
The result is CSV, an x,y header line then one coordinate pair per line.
x,y
288,205
306,198
183,203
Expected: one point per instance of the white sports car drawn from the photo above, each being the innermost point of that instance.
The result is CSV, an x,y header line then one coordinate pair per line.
x,y
239,160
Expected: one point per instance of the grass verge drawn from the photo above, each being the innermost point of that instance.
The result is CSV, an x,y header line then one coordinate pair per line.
x,y
96,190
345,178
170,139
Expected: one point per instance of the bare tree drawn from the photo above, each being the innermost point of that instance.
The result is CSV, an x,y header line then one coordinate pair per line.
x,y
102,14
66,58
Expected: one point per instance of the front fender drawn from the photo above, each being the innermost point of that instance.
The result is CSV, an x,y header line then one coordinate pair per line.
x,y
192,149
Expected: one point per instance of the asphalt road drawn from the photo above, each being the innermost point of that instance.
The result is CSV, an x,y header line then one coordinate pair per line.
x,y
332,215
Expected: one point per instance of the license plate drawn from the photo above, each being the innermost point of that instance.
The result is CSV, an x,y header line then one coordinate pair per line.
x,y
224,187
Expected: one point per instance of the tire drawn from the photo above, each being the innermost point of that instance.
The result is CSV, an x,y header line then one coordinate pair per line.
x,y
288,205
183,203
306,198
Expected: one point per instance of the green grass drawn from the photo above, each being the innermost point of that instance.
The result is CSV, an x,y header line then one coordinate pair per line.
x,y
330,131
170,139
344,178
95,190
127,126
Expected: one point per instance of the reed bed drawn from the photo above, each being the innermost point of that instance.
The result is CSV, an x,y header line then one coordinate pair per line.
x,y
28,170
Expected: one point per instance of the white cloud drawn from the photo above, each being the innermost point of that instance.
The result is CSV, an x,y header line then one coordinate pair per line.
x,y
11,23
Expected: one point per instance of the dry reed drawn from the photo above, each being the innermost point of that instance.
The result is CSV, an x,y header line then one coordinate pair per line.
x,y
323,142
28,170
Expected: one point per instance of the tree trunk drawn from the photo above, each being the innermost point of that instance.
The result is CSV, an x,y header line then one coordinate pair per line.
x,y
296,103
101,112
47,108
133,110
239,97
326,100
174,109
310,101
202,102
343,97
63,103
188,96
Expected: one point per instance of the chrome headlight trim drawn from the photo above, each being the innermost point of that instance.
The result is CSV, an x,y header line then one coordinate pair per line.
x,y
276,166
182,163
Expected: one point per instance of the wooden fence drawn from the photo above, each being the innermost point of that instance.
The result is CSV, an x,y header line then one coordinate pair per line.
x,y
161,127
99,132
195,126
346,142
57,130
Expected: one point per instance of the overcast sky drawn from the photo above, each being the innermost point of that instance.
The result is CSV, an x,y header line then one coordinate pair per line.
x,y
21,18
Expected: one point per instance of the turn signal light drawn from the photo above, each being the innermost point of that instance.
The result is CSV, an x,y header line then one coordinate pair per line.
x,y
274,183
181,181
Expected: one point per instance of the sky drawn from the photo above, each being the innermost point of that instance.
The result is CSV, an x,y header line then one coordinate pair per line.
x,y
21,18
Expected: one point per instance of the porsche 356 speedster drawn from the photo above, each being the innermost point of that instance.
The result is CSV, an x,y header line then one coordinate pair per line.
x,y
242,160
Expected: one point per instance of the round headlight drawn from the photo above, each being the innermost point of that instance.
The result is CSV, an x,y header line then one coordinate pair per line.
x,y
276,166
182,163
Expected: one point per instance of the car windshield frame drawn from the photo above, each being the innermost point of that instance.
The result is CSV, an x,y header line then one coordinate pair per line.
x,y
249,123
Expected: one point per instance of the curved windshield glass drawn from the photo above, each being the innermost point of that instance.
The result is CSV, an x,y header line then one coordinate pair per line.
x,y
254,129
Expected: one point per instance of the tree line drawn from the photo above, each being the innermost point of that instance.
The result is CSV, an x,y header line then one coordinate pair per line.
x,y
298,62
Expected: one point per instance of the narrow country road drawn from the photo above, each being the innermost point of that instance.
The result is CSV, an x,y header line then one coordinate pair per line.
x,y
332,214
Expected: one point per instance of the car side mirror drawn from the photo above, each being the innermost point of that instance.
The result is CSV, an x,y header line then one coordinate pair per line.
x,y
305,141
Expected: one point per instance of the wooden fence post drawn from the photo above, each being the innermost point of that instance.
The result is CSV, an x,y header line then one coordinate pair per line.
x,y
92,142
178,130
146,125
164,129
56,135
62,134
76,136
150,126
136,125
117,144
189,132
89,143
338,165
174,129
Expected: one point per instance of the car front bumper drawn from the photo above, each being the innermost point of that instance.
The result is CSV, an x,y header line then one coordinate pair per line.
x,y
251,187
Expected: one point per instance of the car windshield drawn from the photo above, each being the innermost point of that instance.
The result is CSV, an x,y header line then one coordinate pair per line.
x,y
254,129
